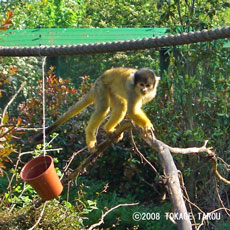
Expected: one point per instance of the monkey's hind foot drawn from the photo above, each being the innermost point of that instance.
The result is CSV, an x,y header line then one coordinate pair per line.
x,y
119,137
92,146
92,149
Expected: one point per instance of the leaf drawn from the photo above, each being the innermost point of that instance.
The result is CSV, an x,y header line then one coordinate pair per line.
x,y
12,70
5,119
10,14
2,166
19,121
3,28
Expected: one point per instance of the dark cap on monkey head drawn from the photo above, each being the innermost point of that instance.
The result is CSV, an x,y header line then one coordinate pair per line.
x,y
144,75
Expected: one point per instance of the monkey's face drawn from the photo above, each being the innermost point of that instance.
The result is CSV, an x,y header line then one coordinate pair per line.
x,y
144,80
144,88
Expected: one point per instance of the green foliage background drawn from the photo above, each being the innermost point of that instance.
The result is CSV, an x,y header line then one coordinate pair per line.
x,y
191,106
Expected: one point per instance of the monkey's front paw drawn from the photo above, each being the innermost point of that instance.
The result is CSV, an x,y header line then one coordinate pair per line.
x,y
148,127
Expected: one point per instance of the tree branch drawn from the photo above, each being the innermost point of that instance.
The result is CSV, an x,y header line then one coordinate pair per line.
x,y
173,182
11,100
203,149
106,213
101,148
40,217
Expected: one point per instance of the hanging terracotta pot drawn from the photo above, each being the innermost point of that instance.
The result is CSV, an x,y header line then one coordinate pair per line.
x,y
41,175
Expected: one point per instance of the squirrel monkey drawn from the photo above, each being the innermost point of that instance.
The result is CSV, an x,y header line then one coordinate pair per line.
x,y
124,90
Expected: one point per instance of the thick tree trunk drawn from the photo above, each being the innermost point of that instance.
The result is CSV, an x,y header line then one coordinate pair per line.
x,y
181,215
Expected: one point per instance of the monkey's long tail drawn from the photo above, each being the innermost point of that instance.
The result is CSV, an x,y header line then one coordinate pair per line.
x,y
73,111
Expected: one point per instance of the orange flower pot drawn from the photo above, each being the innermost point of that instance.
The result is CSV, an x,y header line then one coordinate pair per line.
x,y
41,175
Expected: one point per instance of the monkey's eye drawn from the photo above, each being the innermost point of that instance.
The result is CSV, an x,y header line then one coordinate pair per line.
x,y
142,84
148,85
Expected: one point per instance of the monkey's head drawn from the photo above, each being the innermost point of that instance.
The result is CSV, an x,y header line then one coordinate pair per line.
x,y
144,80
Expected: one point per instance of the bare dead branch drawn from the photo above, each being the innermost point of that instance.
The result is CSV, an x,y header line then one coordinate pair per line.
x,y
155,143
101,148
173,182
186,197
191,150
11,100
40,217
66,167
204,218
221,201
226,164
215,171
106,213
140,154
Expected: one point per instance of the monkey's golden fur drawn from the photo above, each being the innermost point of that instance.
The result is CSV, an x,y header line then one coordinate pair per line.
x,y
115,89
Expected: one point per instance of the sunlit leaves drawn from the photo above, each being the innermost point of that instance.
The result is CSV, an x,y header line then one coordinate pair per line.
x,y
6,129
33,14
59,93
5,119
8,132
7,21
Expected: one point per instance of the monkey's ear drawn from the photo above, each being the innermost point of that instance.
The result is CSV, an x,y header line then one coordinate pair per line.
x,y
158,78
132,74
